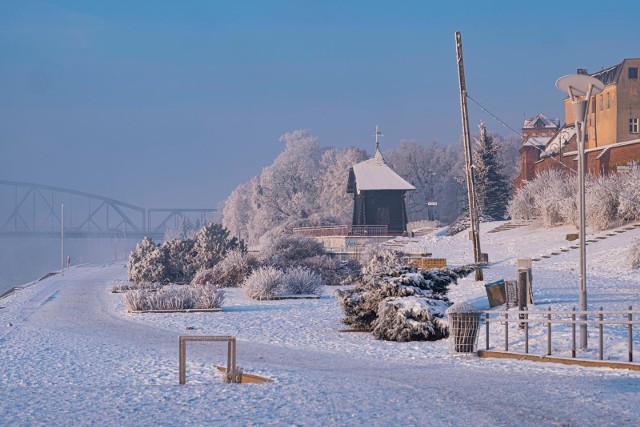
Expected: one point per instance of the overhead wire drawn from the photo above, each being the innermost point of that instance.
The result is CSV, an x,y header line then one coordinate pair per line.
x,y
503,123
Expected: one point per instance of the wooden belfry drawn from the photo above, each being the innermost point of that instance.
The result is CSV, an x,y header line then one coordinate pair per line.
x,y
378,193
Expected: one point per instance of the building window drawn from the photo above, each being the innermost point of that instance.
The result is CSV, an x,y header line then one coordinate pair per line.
x,y
633,125
593,104
633,72
539,124
601,102
608,101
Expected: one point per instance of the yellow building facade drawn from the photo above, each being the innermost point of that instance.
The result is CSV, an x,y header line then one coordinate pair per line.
x,y
614,114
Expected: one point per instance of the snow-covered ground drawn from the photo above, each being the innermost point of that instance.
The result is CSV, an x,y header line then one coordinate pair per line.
x,y
69,354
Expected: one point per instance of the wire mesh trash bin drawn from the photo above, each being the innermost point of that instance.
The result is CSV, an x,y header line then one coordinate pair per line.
x,y
464,326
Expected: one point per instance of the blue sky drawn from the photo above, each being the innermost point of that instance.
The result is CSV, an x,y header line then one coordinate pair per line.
x,y
163,103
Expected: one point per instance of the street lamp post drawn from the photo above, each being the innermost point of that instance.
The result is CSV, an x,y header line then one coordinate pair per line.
x,y
580,87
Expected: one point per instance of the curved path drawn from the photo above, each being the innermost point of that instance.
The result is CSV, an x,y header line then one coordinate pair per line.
x,y
68,356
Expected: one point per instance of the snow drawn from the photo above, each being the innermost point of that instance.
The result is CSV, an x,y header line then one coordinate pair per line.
x,y
69,354
374,174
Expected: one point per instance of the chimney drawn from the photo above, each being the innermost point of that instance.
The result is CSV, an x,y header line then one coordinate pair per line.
x,y
582,71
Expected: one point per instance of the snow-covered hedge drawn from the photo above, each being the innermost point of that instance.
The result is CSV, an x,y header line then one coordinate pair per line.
x,y
175,297
301,281
268,282
263,283
377,303
230,272
552,199
204,277
633,255
123,286
179,260
289,249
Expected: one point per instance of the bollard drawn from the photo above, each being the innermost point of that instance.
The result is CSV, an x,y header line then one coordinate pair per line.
x,y
573,332
549,333
630,317
601,338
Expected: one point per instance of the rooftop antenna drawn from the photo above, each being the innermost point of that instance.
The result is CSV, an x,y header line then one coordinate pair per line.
x,y
377,135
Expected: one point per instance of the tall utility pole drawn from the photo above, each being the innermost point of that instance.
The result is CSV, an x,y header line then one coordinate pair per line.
x,y
466,137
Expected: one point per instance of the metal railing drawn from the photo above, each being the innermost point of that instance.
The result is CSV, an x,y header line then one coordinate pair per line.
x,y
526,320
331,230
343,230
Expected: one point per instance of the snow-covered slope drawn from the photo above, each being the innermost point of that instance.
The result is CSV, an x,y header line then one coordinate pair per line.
x,y
70,355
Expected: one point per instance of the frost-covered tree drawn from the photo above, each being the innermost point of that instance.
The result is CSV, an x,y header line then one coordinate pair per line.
x,y
400,304
433,170
333,198
493,189
181,264
211,244
184,230
289,187
148,262
239,209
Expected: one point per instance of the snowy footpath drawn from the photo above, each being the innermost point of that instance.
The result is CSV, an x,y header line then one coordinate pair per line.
x,y
70,355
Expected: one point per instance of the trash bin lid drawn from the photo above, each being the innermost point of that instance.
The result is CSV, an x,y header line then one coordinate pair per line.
x,y
462,307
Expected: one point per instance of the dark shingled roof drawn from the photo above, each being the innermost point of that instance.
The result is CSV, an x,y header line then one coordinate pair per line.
x,y
609,75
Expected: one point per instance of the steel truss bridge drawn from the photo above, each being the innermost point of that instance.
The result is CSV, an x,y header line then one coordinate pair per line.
x,y
35,210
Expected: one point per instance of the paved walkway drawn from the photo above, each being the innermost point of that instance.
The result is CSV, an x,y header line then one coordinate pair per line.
x,y
69,358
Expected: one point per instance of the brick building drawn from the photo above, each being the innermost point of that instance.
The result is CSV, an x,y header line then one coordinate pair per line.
x,y
612,140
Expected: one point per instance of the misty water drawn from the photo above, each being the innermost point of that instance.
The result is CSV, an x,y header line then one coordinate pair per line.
x,y
25,260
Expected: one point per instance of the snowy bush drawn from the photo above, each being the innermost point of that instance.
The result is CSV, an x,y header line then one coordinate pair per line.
x,y
148,263
633,256
130,286
229,272
361,305
378,259
175,297
333,272
301,281
180,260
212,243
552,198
288,249
601,203
264,283
204,276
412,318
629,196
549,189
521,206
207,296
232,269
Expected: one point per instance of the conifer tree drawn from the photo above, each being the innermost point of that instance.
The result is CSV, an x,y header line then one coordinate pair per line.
x,y
493,189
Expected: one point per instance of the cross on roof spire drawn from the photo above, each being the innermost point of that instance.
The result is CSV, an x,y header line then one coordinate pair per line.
x,y
377,135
